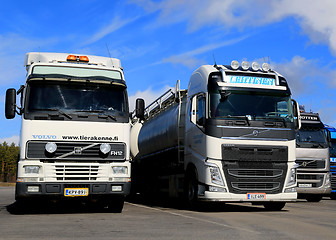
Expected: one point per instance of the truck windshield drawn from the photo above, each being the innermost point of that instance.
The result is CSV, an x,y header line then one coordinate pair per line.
x,y
311,137
73,97
255,105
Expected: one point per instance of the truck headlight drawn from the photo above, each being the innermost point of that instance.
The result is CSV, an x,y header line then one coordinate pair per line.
x,y
105,148
216,176
120,170
291,180
51,147
31,169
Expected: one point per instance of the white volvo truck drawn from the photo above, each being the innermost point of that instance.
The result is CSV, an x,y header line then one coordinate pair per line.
x,y
312,156
75,131
230,137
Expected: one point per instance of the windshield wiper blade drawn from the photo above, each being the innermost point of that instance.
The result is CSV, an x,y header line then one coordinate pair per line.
x,y
107,116
104,115
91,111
241,117
275,118
54,109
59,111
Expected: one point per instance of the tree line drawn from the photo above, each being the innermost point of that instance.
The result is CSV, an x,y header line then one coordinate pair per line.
x,y
9,155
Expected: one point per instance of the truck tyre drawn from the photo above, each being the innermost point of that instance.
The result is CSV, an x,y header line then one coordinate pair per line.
x,y
116,205
333,196
191,190
314,198
274,206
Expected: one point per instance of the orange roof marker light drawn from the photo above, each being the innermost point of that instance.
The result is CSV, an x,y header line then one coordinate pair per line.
x,y
77,58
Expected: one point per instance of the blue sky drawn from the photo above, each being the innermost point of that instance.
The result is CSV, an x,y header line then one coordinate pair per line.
x,y
159,42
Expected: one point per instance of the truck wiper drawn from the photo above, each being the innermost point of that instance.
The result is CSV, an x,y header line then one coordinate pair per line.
x,y
104,115
54,109
275,118
241,117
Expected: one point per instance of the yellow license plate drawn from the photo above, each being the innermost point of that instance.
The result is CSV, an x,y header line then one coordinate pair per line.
x,y
76,192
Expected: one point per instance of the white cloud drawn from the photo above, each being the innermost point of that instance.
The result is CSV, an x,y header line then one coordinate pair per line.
x,y
113,26
316,18
13,48
310,85
149,95
188,59
10,140
304,74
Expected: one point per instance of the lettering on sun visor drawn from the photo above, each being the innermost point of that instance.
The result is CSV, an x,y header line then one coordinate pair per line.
x,y
250,80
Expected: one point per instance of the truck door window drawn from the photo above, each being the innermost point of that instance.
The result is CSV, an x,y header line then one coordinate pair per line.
x,y
200,110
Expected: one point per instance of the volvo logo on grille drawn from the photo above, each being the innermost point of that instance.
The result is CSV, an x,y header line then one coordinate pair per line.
x,y
255,133
78,150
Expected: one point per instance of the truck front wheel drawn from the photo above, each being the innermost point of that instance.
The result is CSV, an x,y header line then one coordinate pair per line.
x,y
191,190
116,205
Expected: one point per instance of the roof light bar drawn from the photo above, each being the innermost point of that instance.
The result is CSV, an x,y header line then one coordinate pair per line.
x,y
234,65
245,65
265,67
255,66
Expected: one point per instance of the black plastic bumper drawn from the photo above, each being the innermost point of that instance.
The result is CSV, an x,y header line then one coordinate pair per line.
x,y
57,189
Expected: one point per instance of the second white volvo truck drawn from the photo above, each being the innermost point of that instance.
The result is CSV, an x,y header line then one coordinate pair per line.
x,y
230,137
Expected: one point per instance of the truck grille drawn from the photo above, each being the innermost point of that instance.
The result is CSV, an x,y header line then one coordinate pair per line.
x,y
255,172
255,168
76,173
255,186
254,153
79,151
310,163
315,179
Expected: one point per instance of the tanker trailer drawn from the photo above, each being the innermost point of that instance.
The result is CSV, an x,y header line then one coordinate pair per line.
x,y
230,137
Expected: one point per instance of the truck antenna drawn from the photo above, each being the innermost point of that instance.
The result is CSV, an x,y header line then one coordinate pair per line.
x,y
108,50
215,65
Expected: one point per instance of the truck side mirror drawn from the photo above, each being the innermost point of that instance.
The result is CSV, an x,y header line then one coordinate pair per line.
x,y
10,105
296,112
140,108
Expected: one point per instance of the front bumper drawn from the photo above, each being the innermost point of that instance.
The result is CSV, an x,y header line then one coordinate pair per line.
x,y
56,190
313,183
229,197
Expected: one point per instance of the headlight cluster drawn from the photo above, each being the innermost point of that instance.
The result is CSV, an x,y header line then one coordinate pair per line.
x,y
120,170
31,169
216,176
291,180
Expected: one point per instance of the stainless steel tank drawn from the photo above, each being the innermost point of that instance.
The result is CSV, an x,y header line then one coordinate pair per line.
x,y
158,133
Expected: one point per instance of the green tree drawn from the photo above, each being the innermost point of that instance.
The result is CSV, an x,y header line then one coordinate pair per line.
x,y
8,162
